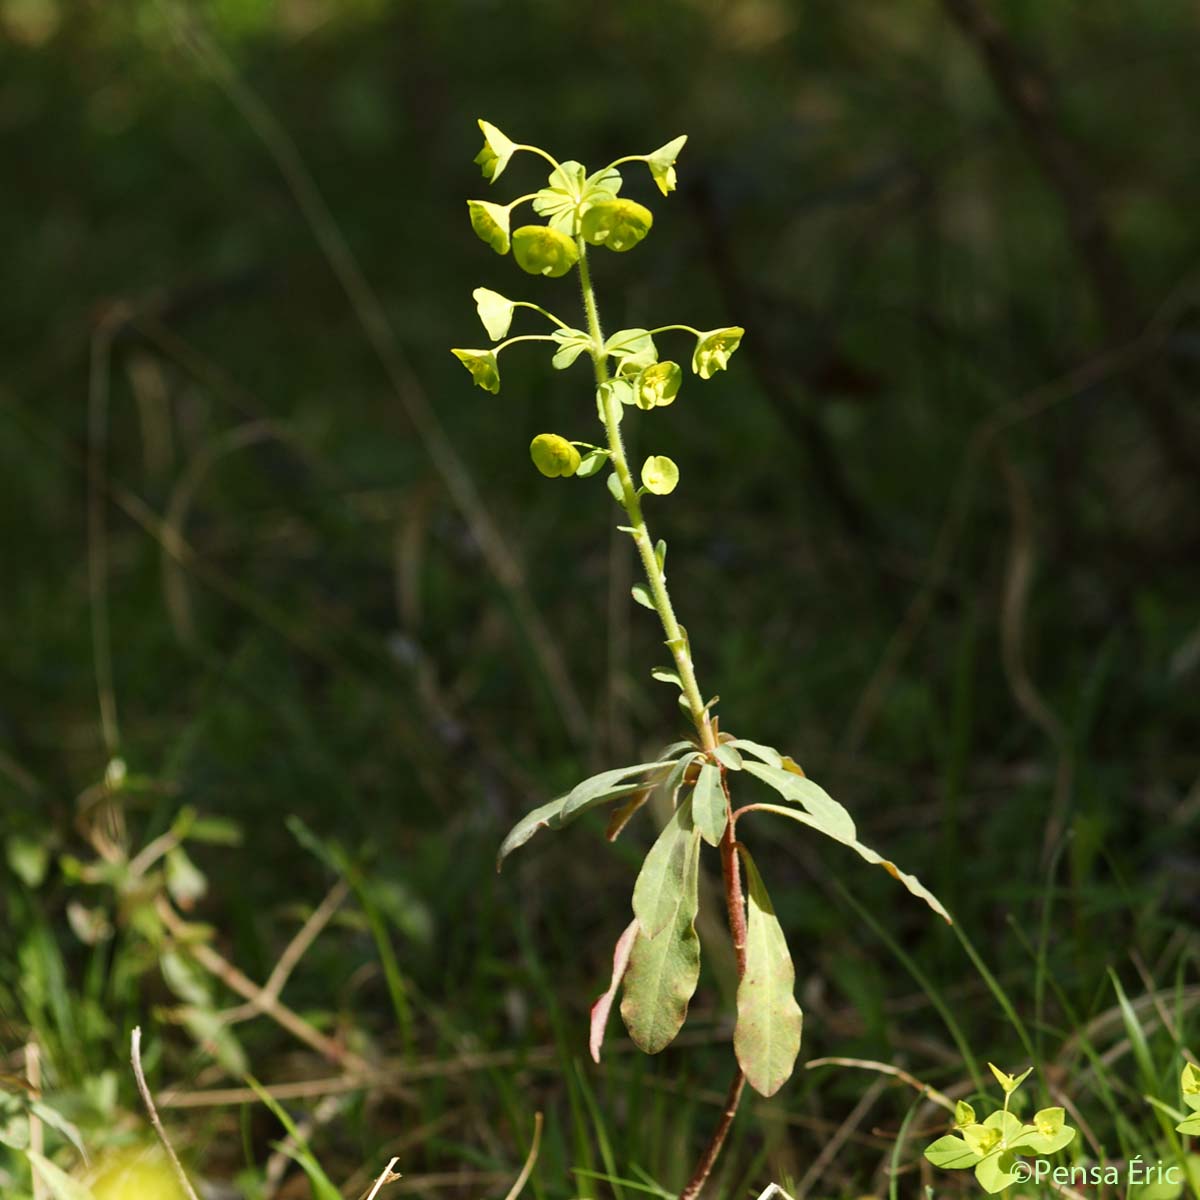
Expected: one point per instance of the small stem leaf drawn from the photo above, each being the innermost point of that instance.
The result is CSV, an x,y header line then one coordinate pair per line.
x,y
666,675
728,756
832,819
766,1038
911,882
603,1005
767,754
709,809
663,971
1190,1124
641,593
660,556
660,882
571,344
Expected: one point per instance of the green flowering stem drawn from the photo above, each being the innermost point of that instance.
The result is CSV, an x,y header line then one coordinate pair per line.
x,y
667,328
631,502
539,309
538,150
525,337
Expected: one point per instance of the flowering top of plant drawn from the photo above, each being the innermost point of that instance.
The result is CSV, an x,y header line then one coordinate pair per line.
x,y
657,958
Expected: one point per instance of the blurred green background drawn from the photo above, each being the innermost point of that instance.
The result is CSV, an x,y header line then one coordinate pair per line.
x,y
937,536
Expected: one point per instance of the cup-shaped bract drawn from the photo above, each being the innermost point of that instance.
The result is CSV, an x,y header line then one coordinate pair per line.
x,y
619,224
660,475
490,222
657,386
483,367
495,311
662,163
497,150
554,456
714,350
541,250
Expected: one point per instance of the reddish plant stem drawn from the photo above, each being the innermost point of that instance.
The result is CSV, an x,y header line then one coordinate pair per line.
x,y
731,872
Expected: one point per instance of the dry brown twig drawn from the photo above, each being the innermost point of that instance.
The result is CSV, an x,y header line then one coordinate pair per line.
x,y
135,1054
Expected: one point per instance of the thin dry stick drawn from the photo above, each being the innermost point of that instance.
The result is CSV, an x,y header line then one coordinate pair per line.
x,y
135,1052
387,1175
867,1064
832,1147
37,1135
215,964
1017,584
370,313
530,1159
293,952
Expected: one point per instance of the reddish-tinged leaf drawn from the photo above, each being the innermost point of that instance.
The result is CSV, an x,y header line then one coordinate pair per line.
x,y
663,970
603,1005
766,1038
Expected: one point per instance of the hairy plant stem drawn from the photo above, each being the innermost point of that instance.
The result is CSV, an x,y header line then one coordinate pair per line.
x,y
610,412
678,644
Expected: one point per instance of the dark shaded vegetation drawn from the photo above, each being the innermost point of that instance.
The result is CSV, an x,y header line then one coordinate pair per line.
x,y
937,536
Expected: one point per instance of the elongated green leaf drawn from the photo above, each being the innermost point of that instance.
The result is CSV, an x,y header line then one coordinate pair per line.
x,y
599,789
674,780
663,971
675,749
708,804
952,1153
833,820
659,888
911,882
768,754
766,1038
61,1186
527,826
323,1187
584,795
727,755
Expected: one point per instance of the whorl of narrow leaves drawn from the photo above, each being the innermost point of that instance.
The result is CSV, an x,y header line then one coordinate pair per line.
x,y
766,1038
663,970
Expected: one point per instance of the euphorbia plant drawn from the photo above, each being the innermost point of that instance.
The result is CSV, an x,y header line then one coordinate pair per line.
x,y
657,958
